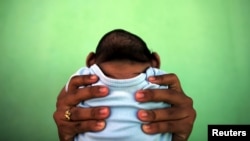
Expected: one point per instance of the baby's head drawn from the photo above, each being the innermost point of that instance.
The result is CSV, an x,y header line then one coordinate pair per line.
x,y
124,48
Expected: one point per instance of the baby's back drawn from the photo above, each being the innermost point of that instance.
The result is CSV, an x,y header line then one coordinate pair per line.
x,y
123,124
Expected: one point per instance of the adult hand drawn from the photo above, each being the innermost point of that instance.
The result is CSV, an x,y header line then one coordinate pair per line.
x,y
177,119
80,119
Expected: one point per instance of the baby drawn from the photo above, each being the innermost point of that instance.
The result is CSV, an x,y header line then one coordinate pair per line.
x,y
123,63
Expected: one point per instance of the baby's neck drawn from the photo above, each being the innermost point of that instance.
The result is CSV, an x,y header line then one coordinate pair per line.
x,y
123,69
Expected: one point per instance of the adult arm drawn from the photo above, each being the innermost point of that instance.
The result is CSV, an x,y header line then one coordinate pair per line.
x,y
177,119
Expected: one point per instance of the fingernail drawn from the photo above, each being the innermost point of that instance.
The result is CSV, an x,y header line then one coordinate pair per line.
x,y
100,124
140,95
143,113
93,77
103,111
146,127
151,78
103,89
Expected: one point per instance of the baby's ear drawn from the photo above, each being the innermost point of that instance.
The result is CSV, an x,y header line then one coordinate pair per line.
x,y
155,62
90,60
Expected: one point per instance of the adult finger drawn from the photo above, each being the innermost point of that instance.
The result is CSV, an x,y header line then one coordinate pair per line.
x,y
86,126
171,113
170,127
171,80
161,95
81,80
82,94
80,114
76,82
97,113
67,131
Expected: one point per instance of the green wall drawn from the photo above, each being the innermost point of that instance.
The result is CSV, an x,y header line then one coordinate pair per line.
x,y
42,42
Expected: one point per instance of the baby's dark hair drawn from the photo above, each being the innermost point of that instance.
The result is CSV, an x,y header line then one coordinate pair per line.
x,y
119,44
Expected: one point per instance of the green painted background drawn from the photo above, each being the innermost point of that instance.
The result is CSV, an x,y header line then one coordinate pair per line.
x,y
42,42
